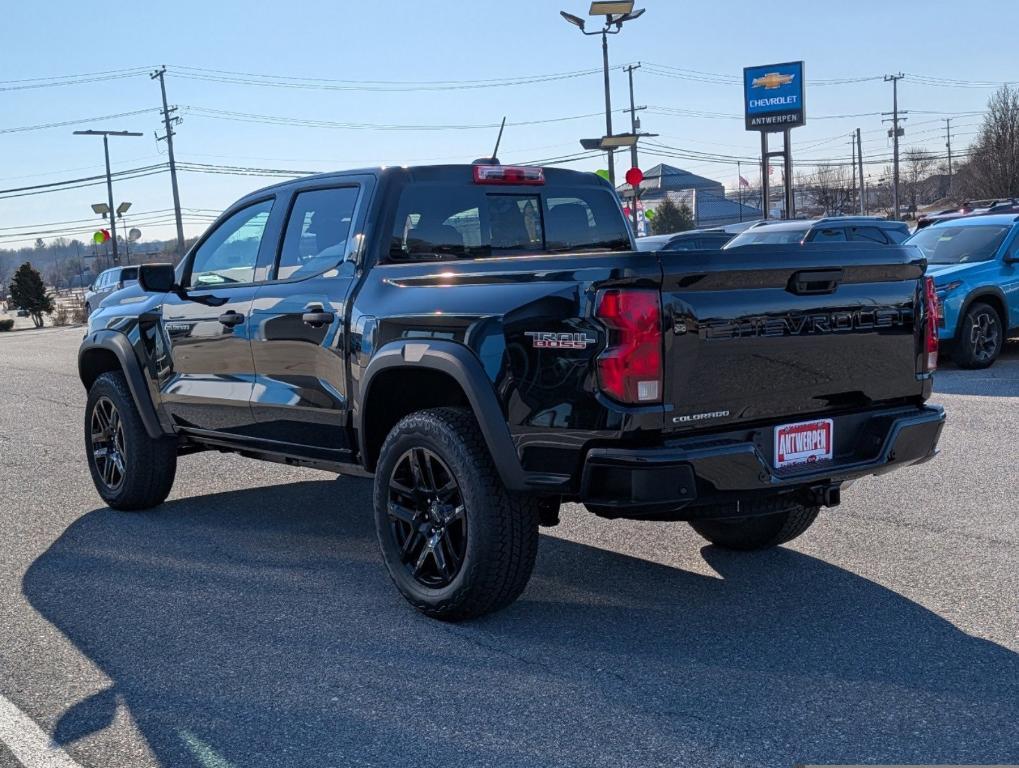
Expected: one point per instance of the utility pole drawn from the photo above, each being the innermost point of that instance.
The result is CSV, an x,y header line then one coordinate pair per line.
x,y
895,132
852,144
948,144
109,178
634,127
859,160
739,186
168,123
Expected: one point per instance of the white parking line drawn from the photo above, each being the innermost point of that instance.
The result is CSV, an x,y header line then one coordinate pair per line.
x,y
28,742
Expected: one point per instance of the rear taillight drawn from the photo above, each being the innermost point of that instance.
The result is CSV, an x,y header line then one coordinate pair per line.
x,y
930,326
630,368
508,174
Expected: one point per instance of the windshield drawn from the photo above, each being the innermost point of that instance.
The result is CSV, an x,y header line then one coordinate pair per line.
x,y
766,237
959,245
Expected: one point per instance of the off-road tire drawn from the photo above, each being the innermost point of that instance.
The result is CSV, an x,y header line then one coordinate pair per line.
x,y
502,526
149,464
775,521
980,319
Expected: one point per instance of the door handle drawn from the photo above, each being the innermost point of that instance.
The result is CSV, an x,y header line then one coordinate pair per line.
x,y
814,281
316,317
231,318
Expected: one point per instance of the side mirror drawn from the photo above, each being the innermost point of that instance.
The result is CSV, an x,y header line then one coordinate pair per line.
x,y
157,278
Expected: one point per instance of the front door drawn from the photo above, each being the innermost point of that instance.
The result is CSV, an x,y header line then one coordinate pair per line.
x,y
209,331
297,335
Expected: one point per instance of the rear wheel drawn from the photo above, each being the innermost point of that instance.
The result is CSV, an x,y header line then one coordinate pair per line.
x,y
981,337
130,469
456,543
774,522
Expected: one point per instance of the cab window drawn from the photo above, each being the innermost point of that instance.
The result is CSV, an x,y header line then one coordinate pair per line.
x,y
317,232
443,221
228,256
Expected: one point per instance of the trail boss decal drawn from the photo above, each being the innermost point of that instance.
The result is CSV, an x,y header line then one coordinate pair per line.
x,y
551,340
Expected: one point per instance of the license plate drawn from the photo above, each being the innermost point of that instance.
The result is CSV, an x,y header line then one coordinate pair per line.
x,y
803,443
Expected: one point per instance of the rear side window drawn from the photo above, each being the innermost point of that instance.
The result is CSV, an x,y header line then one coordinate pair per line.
x,y
867,235
317,232
829,235
131,273
896,236
443,221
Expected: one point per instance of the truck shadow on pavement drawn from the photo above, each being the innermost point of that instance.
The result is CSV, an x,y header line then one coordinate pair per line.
x,y
259,628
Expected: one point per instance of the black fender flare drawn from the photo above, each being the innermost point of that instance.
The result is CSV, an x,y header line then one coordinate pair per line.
x,y
463,366
987,291
120,345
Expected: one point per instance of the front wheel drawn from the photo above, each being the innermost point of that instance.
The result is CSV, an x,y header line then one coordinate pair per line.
x,y
783,521
455,541
130,469
981,337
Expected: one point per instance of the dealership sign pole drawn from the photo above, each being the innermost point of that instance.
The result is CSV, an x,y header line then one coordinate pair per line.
x,y
773,101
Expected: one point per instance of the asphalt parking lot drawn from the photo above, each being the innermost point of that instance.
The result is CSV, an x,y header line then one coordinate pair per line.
x,y
249,621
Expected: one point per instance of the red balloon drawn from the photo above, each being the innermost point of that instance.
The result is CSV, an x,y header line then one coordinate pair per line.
x,y
634,176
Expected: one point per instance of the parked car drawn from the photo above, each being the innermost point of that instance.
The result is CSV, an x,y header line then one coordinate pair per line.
x,y
833,229
970,208
106,283
691,240
486,343
975,265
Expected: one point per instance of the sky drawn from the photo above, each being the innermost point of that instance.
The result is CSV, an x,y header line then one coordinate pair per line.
x,y
336,77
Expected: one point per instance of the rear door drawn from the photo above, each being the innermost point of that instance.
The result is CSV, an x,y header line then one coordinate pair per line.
x,y
774,331
208,333
298,319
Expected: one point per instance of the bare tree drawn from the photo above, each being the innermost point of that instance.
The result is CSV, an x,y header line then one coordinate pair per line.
x,y
993,168
830,188
918,164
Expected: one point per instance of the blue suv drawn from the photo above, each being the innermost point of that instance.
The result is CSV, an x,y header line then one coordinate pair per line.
x,y
975,265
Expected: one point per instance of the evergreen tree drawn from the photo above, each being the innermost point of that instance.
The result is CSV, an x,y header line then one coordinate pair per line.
x,y
671,218
28,292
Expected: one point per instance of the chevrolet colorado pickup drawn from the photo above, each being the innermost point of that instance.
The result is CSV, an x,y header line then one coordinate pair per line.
x,y
487,343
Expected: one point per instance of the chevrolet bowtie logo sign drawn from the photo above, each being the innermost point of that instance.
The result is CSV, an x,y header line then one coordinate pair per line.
x,y
772,80
773,96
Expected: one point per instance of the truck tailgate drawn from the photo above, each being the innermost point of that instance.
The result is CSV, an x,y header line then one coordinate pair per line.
x,y
773,332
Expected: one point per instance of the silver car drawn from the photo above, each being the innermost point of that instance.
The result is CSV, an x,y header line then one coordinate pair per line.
x,y
108,281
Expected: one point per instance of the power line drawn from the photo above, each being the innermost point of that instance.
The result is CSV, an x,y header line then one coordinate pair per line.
x,y
86,181
64,123
247,117
330,84
61,80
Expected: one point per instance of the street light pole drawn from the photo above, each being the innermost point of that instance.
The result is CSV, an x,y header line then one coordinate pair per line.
x,y
616,14
109,178
109,194
608,104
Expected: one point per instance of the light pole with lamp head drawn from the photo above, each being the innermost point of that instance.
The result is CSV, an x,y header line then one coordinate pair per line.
x,y
121,210
616,14
109,179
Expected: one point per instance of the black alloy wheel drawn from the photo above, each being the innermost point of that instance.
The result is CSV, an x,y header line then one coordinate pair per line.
x,y
985,335
427,518
107,438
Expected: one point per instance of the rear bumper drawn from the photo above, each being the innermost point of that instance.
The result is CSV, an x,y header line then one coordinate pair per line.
x,y
711,469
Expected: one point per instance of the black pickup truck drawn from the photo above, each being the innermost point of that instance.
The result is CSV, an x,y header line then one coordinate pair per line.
x,y
487,343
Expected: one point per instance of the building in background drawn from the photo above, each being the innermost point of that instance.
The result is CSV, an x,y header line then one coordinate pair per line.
x,y
703,196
